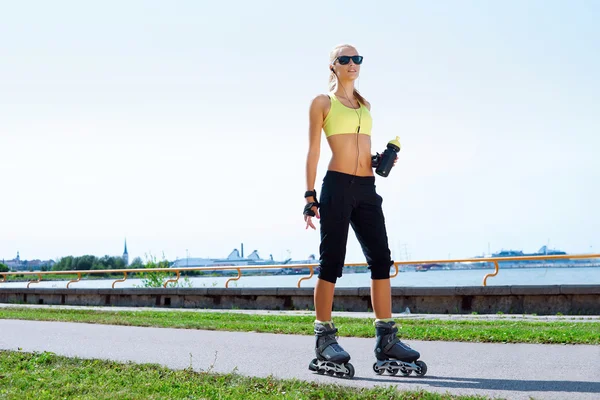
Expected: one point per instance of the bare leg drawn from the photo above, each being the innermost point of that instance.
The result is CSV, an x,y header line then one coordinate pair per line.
x,y
323,298
381,298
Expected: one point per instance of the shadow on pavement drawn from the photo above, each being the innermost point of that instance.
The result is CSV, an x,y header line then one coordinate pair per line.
x,y
491,384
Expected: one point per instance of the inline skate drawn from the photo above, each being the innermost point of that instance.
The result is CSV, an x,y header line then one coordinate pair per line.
x,y
393,355
331,359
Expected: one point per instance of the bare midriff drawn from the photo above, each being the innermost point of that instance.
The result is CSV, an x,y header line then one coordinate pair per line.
x,y
344,154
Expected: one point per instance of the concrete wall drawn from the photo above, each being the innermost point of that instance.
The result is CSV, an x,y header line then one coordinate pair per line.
x,y
541,300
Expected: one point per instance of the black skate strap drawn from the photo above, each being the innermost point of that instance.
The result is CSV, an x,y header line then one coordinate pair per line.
x,y
329,336
330,340
391,344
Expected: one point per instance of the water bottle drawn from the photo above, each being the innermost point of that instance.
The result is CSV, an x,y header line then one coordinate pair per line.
x,y
388,157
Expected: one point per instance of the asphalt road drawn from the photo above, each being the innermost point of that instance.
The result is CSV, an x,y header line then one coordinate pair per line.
x,y
513,371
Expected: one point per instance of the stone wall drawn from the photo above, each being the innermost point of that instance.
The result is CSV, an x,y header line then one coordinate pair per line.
x,y
541,300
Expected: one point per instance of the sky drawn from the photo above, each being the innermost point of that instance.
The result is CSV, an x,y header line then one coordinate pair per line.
x,y
183,126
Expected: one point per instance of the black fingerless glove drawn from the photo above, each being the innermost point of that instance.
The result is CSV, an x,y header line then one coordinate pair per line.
x,y
308,207
375,160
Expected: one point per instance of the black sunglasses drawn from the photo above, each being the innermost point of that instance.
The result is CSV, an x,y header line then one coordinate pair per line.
x,y
346,59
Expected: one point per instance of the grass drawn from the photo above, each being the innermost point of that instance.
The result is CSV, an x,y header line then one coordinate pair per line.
x,y
48,376
511,331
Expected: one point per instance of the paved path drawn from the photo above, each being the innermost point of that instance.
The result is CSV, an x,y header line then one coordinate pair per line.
x,y
513,371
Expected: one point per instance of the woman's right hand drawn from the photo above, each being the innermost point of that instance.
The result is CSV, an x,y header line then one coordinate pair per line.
x,y
307,217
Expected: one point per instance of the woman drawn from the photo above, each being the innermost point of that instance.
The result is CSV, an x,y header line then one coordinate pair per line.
x,y
348,198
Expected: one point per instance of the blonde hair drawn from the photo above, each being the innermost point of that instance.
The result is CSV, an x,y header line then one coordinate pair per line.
x,y
333,78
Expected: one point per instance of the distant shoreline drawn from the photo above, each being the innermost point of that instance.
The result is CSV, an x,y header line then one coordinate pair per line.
x,y
269,272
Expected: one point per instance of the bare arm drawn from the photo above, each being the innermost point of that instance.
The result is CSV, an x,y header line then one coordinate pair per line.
x,y
314,140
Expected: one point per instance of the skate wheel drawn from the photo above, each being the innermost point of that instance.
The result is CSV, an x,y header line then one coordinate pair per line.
x,y
405,372
378,370
391,370
422,368
350,367
312,366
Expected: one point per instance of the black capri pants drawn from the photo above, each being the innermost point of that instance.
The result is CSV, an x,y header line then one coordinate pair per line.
x,y
348,200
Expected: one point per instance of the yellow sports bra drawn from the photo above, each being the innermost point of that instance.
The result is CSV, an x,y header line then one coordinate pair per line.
x,y
342,119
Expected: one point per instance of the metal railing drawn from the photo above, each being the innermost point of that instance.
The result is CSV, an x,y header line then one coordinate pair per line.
x,y
494,260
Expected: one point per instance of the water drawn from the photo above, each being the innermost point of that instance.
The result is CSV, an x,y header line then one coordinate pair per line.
x,y
439,278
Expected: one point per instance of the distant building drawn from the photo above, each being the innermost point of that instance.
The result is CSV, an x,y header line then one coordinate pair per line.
x,y
126,254
235,259
16,264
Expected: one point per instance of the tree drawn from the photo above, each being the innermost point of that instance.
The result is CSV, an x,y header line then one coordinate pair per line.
x,y
85,262
137,263
118,263
65,264
3,268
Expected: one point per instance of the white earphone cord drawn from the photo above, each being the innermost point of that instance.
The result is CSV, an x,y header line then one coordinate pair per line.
x,y
359,122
